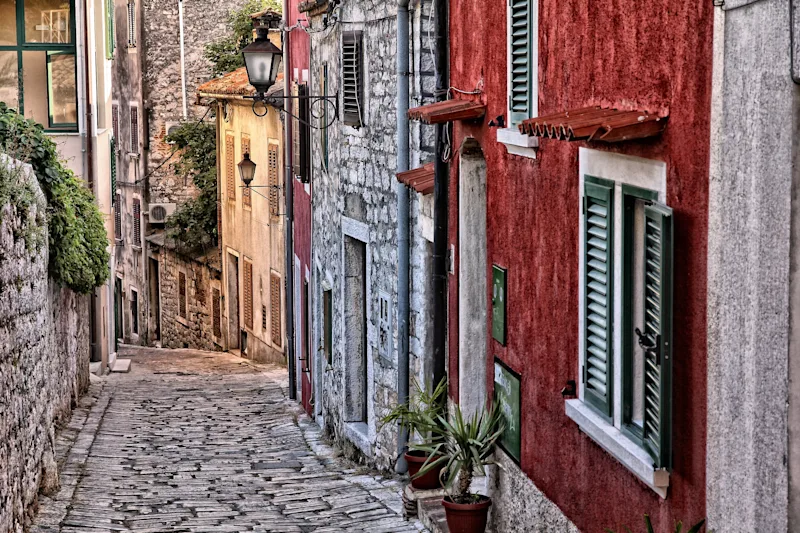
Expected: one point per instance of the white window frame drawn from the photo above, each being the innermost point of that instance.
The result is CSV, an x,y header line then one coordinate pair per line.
x,y
646,174
518,143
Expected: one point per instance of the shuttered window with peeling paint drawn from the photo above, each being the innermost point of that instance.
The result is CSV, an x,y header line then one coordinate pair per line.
x,y
273,173
216,313
352,79
230,167
521,32
275,308
248,294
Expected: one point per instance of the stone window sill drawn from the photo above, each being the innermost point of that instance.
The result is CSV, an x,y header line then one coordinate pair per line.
x,y
182,320
517,143
617,444
358,434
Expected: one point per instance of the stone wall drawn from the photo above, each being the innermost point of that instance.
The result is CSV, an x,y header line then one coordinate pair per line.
x,y
358,191
202,276
44,360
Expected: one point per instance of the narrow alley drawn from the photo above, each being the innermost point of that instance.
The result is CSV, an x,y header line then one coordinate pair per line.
x,y
193,441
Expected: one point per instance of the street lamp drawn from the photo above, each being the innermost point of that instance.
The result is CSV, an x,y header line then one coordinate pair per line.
x,y
247,169
262,60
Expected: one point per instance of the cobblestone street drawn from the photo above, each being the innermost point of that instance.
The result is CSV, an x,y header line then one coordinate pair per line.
x,y
193,441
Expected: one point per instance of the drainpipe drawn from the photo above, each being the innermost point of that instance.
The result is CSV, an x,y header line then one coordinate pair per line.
x,y
183,60
288,184
403,292
440,201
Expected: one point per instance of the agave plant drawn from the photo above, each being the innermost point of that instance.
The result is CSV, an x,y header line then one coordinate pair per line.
x,y
464,446
420,415
697,528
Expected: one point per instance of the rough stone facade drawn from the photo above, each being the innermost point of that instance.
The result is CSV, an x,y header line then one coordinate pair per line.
x,y
355,201
193,285
44,363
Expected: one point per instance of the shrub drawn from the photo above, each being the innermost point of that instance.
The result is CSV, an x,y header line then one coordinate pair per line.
x,y
77,234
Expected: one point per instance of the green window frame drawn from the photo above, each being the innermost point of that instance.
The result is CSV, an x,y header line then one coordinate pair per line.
x,y
521,32
51,50
110,30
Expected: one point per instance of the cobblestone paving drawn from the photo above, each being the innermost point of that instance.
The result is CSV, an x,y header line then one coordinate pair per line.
x,y
194,441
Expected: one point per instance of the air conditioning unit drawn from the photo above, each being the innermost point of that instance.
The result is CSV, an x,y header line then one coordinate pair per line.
x,y
160,212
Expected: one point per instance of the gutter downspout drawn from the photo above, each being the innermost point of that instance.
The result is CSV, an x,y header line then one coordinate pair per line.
x,y
183,60
403,245
288,184
440,203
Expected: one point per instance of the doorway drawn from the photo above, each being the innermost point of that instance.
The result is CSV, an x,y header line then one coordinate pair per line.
x,y
306,363
355,329
118,333
155,300
233,302
472,274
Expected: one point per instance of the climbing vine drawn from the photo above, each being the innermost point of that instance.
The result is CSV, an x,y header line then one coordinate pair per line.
x,y
77,234
194,225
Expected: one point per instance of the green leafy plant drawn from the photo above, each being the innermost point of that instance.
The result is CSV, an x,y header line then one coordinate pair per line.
x,y
421,413
77,235
697,528
464,446
225,53
194,224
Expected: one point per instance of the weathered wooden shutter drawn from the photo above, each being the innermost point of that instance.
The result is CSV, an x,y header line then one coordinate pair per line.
x,y
248,294
246,198
658,331
216,313
134,130
200,289
275,308
305,135
110,29
295,134
182,294
137,222
519,57
327,303
598,276
112,159
273,179
115,120
131,24
352,79
230,167
118,218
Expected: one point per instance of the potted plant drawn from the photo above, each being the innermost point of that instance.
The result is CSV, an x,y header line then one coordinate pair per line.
x,y
697,528
465,446
420,416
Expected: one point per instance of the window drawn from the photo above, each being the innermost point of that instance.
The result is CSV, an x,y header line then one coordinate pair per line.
x,y
323,132
274,180
117,218
182,295
134,312
275,308
625,313
522,64
199,289
110,29
216,313
137,222
38,74
131,24
112,161
352,79
301,135
115,120
134,129
263,317
248,294
230,166
327,325
246,198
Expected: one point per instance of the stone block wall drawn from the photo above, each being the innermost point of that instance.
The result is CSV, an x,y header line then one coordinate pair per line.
x,y
196,330
44,361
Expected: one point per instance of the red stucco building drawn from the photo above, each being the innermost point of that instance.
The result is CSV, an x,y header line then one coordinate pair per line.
x,y
578,284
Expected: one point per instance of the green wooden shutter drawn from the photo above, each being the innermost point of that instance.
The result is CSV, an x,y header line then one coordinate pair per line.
x,y
598,295
110,29
520,58
658,330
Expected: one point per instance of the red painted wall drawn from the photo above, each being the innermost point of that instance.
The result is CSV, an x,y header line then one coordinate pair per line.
x,y
646,55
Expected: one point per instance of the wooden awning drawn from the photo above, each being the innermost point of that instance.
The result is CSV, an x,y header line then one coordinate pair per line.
x,y
595,124
447,111
420,179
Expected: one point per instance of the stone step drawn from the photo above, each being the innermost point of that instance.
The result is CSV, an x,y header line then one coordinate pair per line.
x,y
122,366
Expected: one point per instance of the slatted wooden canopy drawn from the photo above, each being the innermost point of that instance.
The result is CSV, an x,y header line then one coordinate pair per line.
x,y
420,179
595,124
449,110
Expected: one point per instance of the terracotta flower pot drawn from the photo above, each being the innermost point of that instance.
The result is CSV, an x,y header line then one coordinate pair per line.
x,y
467,517
430,480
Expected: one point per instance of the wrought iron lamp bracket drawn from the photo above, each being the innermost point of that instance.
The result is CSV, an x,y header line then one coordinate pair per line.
x,y
317,107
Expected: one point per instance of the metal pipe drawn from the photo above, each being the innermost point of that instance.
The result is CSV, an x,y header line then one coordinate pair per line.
x,y
288,220
183,60
403,245
440,204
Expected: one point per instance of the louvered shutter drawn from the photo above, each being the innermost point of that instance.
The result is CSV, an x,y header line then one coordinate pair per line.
x,y
110,29
216,313
118,218
295,136
182,294
246,198
275,308
305,135
658,330
113,164
248,294
134,130
115,120
137,222
131,24
352,102
519,57
273,179
230,167
598,275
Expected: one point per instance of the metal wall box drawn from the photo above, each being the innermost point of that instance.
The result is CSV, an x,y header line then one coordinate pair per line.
x,y
499,304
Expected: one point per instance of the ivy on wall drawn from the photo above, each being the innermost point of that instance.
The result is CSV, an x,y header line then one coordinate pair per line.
x,y
77,234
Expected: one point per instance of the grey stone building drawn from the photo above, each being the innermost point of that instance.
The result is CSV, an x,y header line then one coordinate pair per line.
x,y
354,223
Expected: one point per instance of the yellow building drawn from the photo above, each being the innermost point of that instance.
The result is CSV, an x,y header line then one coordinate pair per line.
x,y
250,219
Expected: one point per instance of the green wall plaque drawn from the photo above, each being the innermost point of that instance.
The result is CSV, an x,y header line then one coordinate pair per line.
x,y
507,399
499,304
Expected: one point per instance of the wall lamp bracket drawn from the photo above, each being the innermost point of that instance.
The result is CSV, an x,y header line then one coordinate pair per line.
x,y
318,107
